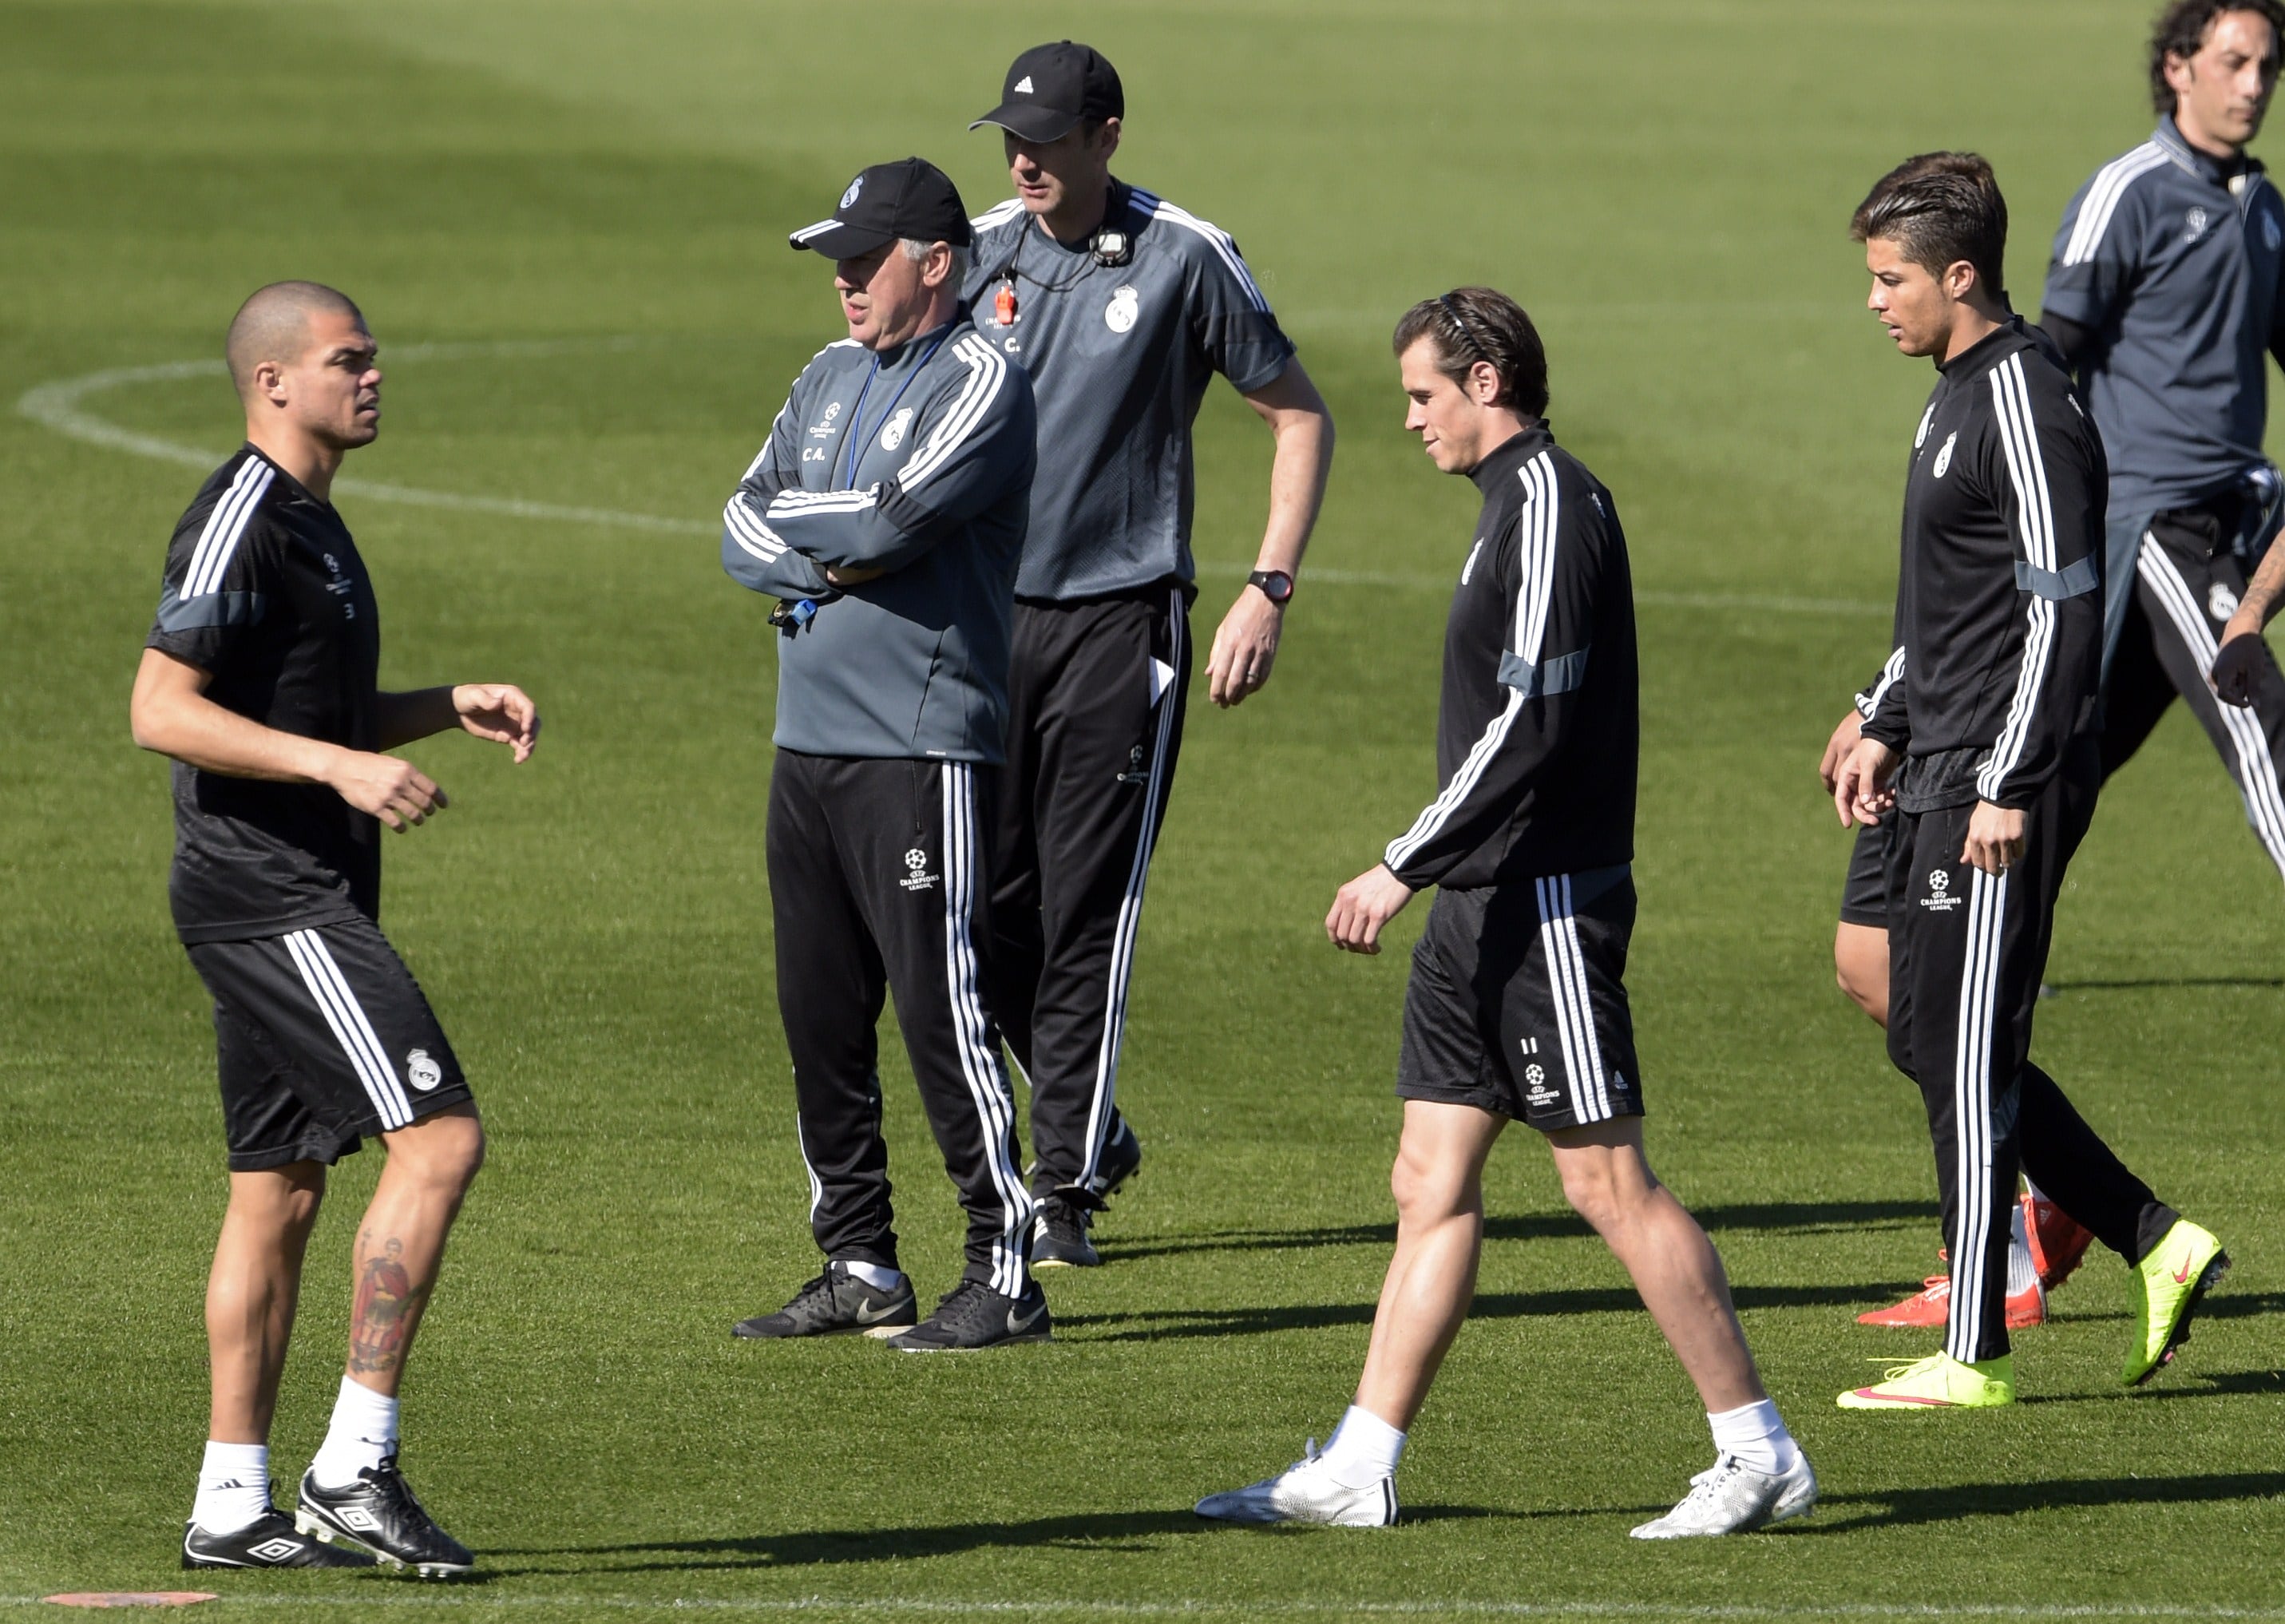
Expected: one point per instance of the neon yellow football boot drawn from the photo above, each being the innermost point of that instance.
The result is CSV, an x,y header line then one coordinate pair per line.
x,y
2166,1286
1939,1382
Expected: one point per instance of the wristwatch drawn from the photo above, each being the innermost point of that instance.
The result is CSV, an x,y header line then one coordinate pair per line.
x,y
1275,585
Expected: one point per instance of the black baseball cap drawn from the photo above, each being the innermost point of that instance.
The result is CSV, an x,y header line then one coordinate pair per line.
x,y
1051,88
909,198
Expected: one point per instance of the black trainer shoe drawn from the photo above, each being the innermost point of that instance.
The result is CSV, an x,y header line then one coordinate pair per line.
x,y
1122,1154
974,1315
271,1542
379,1513
836,1304
1059,1231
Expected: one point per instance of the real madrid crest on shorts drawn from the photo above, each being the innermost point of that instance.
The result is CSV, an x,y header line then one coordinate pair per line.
x,y
893,435
2221,603
1126,305
421,1070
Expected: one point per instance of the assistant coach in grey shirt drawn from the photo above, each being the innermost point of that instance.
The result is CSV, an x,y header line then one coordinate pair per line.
x,y
2165,296
887,514
1122,307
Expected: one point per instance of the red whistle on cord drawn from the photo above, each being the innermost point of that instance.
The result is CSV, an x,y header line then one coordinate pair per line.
x,y
1003,305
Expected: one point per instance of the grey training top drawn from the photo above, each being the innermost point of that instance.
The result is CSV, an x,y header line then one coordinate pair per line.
x,y
1119,357
919,462
2173,261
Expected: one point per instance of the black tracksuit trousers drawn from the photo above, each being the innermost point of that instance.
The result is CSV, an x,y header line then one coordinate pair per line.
x,y
1966,953
2188,584
1095,705
877,884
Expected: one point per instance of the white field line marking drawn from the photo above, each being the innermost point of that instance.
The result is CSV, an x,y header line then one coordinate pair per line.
x,y
1286,1606
59,406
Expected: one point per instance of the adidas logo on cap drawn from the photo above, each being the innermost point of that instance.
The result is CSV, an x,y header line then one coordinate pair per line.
x,y
1023,86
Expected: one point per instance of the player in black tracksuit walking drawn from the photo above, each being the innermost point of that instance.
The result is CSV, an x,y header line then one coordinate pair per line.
x,y
1993,711
1516,1007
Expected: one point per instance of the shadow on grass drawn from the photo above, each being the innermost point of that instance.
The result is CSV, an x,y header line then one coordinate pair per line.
x,y
2140,983
2215,1384
1804,1217
2228,1306
1149,1325
1893,1508
1136,1531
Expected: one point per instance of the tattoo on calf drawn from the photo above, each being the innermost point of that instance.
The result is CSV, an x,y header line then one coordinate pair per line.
x,y
386,1308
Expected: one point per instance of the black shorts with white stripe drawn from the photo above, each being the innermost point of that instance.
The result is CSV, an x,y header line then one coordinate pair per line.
x,y
1864,892
321,1036
1518,1006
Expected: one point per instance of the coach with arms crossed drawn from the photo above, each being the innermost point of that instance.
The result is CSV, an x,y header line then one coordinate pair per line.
x,y
886,514
1121,306
259,680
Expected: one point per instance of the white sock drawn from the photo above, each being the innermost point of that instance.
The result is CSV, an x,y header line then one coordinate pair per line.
x,y
1754,1434
874,1276
364,1430
2021,1276
233,1487
1363,1449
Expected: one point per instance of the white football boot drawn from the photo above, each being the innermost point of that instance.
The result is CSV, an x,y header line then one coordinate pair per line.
x,y
1730,1497
1306,1493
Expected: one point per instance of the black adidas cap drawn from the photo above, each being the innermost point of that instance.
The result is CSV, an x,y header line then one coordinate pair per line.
x,y
1051,88
909,198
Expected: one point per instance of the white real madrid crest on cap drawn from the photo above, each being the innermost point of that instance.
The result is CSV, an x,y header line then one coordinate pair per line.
x,y
849,196
1119,315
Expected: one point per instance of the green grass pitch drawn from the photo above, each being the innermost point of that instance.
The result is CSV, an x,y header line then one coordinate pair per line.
x,y
565,220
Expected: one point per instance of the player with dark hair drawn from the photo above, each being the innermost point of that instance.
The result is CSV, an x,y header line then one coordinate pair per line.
x,y
1516,1009
1122,308
1990,706
259,680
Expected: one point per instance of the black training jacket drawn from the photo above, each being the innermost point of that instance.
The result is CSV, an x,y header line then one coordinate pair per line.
x,y
1537,732
1998,629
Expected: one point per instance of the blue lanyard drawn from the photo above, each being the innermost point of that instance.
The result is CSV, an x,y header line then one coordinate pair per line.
x,y
856,434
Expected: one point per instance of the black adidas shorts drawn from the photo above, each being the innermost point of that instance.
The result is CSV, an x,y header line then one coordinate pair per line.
x,y
322,1036
1516,1003
1864,893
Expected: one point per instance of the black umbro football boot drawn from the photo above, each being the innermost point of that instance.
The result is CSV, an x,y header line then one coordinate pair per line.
x,y
379,1513
271,1542
974,1315
1059,1232
1121,1155
835,1304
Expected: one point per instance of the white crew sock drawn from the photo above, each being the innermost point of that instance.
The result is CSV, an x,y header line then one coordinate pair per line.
x,y
364,1430
2021,1276
1754,1434
873,1274
1363,1449
233,1487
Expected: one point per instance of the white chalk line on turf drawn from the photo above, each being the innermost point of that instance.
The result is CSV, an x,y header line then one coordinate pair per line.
x,y
61,406
1278,1607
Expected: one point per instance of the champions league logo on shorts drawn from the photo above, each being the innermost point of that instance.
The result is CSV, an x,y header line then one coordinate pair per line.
x,y
1535,1074
917,878
1939,897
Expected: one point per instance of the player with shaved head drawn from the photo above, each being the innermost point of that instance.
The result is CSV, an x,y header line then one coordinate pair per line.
x,y
259,680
